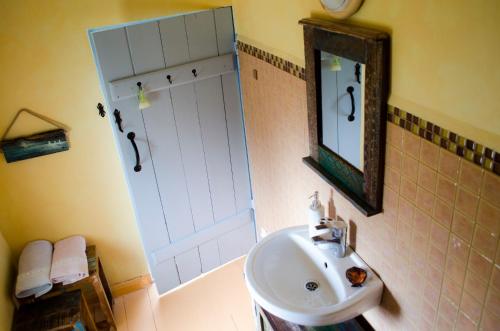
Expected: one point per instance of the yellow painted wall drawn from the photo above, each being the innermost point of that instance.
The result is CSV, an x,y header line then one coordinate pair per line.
x,y
6,307
46,64
444,54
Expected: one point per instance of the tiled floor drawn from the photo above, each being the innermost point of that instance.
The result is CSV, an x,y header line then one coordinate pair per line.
x,y
218,301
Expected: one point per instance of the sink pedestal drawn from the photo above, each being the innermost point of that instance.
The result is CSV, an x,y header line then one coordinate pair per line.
x,y
269,322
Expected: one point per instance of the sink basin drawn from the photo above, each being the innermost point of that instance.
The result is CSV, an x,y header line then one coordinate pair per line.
x,y
296,281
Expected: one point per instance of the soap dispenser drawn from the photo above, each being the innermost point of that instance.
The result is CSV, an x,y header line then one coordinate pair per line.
x,y
315,213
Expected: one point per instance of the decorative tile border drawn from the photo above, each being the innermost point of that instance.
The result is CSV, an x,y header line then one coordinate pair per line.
x,y
273,60
479,154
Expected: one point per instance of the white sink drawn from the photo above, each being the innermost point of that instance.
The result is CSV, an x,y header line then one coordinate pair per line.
x,y
278,268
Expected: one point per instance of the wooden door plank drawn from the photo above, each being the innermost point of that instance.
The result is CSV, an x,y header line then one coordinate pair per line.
x,y
145,47
190,140
237,242
202,40
349,132
138,310
216,146
209,255
329,104
113,54
174,40
198,238
188,264
165,275
237,146
167,160
224,29
143,184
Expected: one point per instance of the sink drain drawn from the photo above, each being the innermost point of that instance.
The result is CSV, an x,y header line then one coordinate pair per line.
x,y
311,286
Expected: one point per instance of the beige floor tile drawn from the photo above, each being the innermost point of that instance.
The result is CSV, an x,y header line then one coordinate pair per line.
x,y
120,316
138,311
218,301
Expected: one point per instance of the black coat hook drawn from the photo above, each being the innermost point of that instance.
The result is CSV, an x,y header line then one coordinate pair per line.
x,y
357,72
169,78
100,108
194,73
118,119
350,90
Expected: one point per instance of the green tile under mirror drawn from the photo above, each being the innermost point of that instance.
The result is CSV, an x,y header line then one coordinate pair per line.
x,y
343,189
349,176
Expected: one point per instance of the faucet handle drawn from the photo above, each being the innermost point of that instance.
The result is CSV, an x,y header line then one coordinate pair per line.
x,y
321,226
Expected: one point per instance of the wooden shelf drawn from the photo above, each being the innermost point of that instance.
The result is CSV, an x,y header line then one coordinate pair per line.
x,y
95,290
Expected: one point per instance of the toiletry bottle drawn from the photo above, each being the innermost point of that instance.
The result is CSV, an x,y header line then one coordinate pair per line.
x,y
314,214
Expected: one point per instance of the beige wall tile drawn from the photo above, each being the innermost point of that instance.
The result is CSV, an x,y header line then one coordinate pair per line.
x,y
429,154
394,157
392,178
436,256
491,188
455,270
447,310
462,226
480,265
446,189
471,176
495,279
452,291
467,202
427,178
426,200
411,144
449,164
443,324
485,242
443,213
410,168
439,236
471,307
458,249
493,301
422,223
408,189
489,322
475,286
395,136
489,216
464,323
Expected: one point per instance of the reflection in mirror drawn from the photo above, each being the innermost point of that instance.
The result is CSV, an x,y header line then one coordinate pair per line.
x,y
342,107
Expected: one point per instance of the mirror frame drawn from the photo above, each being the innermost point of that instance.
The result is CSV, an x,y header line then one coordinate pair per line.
x,y
370,47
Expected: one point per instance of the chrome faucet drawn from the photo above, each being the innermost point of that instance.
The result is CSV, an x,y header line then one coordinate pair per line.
x,y
335,238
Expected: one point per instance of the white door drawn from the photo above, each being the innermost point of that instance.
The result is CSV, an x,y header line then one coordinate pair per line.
x,y
192,193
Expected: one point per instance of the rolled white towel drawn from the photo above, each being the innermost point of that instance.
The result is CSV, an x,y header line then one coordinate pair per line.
x,y
69,263
34,269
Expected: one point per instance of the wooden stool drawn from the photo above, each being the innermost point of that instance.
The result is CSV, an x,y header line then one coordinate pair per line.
x,y
95,290
68,311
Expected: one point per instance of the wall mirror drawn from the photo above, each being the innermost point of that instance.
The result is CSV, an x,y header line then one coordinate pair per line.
x,y
347,83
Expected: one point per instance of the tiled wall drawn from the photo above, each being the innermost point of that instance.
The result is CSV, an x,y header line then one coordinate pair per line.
x,y
435,246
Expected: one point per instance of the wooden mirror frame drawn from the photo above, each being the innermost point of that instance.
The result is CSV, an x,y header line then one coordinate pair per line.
x,y
370,47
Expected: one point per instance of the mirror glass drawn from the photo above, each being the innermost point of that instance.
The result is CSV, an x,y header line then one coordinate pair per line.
x,y
342,105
